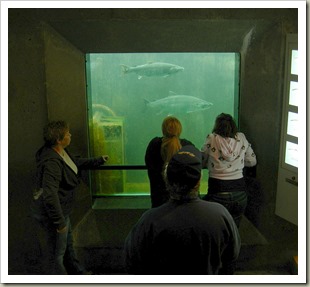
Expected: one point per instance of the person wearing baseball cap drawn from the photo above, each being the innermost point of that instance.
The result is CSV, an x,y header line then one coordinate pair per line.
x,y
185,235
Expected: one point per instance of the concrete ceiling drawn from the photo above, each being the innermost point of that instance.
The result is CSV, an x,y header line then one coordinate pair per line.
x,y
154,35
157,30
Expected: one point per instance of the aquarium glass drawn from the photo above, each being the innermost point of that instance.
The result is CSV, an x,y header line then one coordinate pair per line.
x,y
129,95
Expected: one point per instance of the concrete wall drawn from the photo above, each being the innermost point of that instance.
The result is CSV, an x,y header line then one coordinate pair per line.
x,y
261,109
27,114
46,81
66,98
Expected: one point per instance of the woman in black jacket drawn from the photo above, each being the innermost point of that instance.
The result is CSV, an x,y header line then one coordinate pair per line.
x,y
56,180
159,152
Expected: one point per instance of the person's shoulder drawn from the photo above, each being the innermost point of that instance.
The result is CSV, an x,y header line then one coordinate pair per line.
x,y
159,210
241,136
220,210
213,206
185,142
155,140
46,154
154,145
213,211
151,215
212,135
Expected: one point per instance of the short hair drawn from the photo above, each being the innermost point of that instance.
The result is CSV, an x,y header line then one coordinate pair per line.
x,y
180,191
54,131
225,126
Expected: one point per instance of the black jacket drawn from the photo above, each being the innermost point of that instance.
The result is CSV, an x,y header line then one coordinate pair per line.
x,y
154,164
55,184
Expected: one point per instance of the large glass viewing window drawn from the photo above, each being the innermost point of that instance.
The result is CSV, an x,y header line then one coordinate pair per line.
x,y
129,95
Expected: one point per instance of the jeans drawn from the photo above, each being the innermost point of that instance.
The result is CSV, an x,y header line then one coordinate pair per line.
x,y
235,202
60,256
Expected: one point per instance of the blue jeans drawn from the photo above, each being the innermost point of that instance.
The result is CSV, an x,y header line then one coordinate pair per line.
x,y
230,193
235,202
60,256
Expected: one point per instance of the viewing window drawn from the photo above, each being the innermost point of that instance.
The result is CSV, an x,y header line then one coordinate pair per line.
x,y
129,95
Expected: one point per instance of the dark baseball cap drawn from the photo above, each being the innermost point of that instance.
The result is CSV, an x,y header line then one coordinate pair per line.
x,y
185,167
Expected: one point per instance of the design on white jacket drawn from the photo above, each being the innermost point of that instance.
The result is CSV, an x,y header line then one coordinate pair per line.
x,y
225,158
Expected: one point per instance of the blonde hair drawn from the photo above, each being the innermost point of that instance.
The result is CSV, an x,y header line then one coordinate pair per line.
x,y
171,129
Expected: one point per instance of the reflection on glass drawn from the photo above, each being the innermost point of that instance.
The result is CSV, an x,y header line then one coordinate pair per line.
x,y
294,63
129,95
293,93
291,154
292,124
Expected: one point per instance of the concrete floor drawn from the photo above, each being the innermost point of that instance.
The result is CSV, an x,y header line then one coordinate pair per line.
x,y
258,256
100,235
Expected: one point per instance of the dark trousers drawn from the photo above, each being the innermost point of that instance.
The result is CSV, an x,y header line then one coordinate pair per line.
x,y
230,193
59,255
235,202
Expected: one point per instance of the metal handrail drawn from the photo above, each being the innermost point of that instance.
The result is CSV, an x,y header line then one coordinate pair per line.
x,y
120,167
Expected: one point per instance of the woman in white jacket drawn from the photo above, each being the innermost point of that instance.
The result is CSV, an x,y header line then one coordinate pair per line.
x,y
226,152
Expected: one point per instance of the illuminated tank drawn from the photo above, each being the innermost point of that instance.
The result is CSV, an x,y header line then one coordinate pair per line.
x,y
108,138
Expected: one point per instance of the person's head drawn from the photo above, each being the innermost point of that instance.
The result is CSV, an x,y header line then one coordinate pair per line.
x,y
225,126
183,172
56,133
171,129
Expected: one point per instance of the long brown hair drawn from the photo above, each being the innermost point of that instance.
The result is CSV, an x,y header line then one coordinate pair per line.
x,y
171,129
225,126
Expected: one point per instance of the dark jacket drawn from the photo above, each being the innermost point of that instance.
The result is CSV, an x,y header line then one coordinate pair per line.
x,y
154,164
55,184
193,237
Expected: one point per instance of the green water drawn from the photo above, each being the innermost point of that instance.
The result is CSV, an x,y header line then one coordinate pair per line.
x,y
121,122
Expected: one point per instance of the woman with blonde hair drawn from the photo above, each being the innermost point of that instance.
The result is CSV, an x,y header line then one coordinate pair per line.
x,y
159,152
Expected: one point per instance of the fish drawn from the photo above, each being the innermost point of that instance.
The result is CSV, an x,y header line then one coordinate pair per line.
x,y
178,103
153,69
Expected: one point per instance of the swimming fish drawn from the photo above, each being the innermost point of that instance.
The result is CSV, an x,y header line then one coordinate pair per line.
x,y
153,69
178,103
